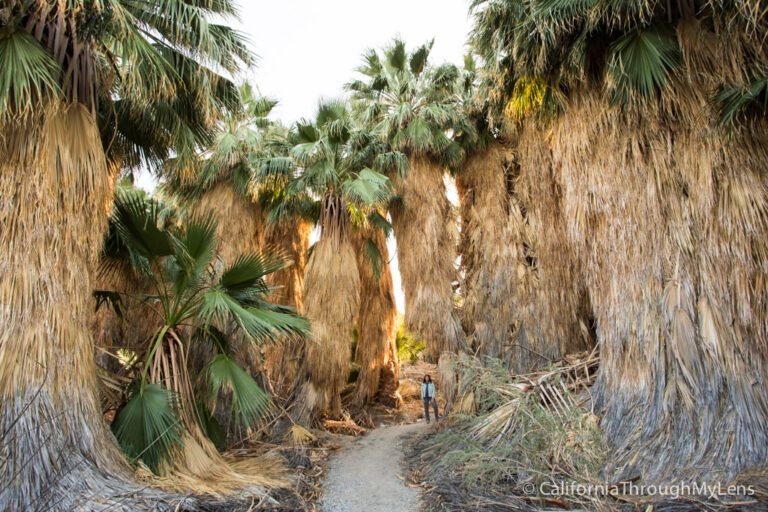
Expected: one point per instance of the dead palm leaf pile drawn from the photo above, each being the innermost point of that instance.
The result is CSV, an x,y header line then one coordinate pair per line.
x,y
511,439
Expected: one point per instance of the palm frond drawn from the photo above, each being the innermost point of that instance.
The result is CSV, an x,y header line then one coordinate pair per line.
x,y
640,62
148,427
28,74
249,401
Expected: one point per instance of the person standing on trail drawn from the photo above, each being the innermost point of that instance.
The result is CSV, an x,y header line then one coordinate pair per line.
x,y
428,395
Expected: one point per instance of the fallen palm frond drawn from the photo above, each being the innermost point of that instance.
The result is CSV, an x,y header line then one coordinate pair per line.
x,y
507,433
300,435
521,443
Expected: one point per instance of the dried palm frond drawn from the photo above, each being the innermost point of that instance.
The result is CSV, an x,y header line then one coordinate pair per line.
x,y
291,239
491,251
511,434
55,188
300,435
331,301
426,249
376,317
669,225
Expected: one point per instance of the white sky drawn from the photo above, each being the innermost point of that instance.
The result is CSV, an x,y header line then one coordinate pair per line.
x,y
308,49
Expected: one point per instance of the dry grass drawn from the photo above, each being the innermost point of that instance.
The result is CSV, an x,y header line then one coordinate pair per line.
x,y
376,348
331,303
426,250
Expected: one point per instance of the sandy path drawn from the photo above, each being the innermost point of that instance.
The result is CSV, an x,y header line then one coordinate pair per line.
x,y
362,476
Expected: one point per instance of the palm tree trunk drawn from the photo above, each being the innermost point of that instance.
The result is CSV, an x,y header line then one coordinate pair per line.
x,y
291,238
375,320
426,251
669,222
331,302
554,312
490,252
57,451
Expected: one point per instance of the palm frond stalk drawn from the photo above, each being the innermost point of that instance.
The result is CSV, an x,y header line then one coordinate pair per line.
x,y
376,352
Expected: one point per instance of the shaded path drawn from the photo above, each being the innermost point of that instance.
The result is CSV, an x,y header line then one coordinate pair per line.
x,y
363,475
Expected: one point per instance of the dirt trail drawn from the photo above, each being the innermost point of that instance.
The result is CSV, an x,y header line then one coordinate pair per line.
x,y
363,475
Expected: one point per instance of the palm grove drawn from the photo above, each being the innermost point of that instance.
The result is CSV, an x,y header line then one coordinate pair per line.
x,y
610,161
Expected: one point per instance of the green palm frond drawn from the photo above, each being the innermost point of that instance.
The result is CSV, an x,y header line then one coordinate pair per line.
x,y
147,427
195,249
418,60
406,103
137,223
28,74
641,61
249,401
377,221
259,324
244,279
373,257
368,188
735,103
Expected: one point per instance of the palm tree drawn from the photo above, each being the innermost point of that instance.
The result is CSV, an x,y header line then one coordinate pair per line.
x,y
663,212
413,107
287,228
376,352
327,155
491,247
192,289
62,65
223,181
504,273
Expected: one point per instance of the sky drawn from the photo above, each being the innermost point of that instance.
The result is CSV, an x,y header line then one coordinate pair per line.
x,y
308,49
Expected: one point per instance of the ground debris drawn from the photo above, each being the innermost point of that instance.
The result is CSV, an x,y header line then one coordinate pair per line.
x,y
531,442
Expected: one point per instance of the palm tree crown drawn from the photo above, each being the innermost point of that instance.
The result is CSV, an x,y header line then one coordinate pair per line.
x,y
410,105
151,75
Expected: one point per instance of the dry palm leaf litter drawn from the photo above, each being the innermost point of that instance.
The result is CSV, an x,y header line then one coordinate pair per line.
x,y
532,442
